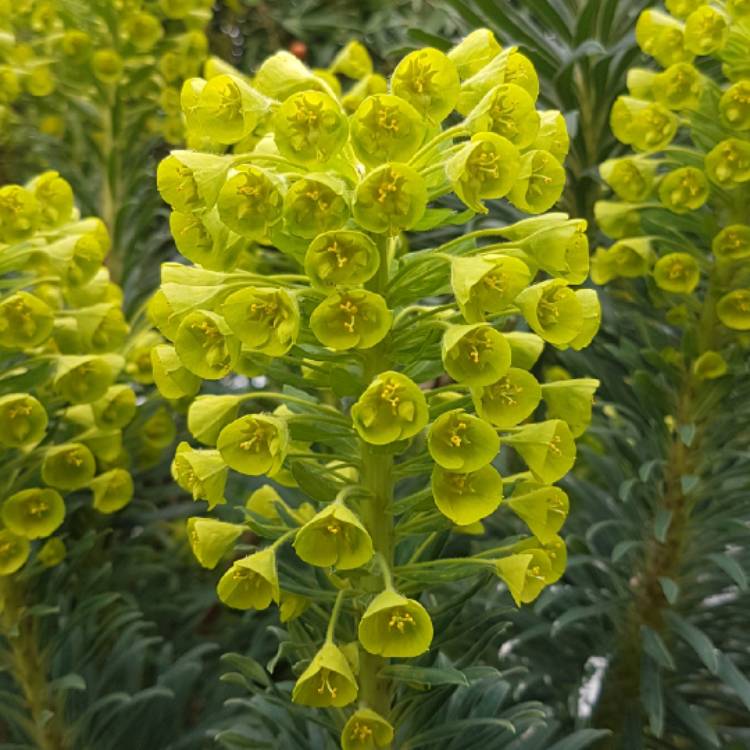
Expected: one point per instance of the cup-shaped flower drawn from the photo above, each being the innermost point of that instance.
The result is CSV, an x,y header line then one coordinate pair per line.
x,y
334,537
684,189
264,502
172,378
310,127
391,198
366,730
107,66
206,345
509,111
486,167
20,214
428,80
34,513
52,552
177,185
539,183
473,52
254,444
733,310
202,473
203,239
732,243
728,163
556,552
25,321
461,442
386,128
209,415
116,408
315,204
475,354
647,126
467,497
525,574
677,272
706,30
349,319
292,606
14,552
211,539
68,467
250,201
510,400
679,87
662,37
542,508
113,490
283,74
709,366
553,134
631,177
341,258
83,379
55,198
327,681
734,105
571,401
561,250
252,582
23,420
352,61
394,626
552,310
392,408
265,319
626,258
548,448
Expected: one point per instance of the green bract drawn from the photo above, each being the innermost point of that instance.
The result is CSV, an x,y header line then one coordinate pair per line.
x,y
328,681
315,204
33,513
393,625
211,539
475,354
251,583
341,258
467,497
254,444
357,318
509,400
69,466
461,442
23,420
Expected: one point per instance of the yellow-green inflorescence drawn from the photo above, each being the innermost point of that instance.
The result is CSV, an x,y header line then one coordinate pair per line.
x,y
678,216
390,385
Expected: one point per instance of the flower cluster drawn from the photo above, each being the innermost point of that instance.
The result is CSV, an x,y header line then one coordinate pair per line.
x,y
64,344
404,377
680,219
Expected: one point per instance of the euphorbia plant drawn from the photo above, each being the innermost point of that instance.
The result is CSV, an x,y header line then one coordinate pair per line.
x,y
403,383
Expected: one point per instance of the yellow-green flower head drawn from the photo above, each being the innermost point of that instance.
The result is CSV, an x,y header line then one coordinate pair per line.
x,y
552,310
627,258
683,8
334,537
113,490
172,378
734,105
509,111
386,128
265,319
640,82
76,45
353,61
172,66
395,627
341,258
83,379
732,243
647,126
209,415
23,420
254,444
68,467
107,66
315,204
543,509
250,201
251,583
525,348
54,197
510,400
20,213
25,321
428,80
539,184
461,442
14,552
159,430
467,497
473,52
677,272
684,189
521,72
525,574
561,250
679,87
283,74
310,127
210,539
475,354
102,327
390,199
116,408
486,167
228,109
728,163
662,37
706,30
264,502
52,552
571,400
202,473
632,177
553,134
617,219
292,606
710,366
366,730
10,86
206,345
392,408
203,239
556,552
733,310
487,284
34,513
548,448
40,81
177,186
327,681
351,319
143,30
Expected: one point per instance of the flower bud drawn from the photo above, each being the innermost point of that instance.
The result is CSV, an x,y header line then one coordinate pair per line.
x,y
552,311
25,321
473,52
461,442
683,190
205,240
706,30
547,448
172,378
395,627
662,37
264,501
292,606
553,135
733,310
327,681
283,74
710,366
34,513
341,258
352,61
572,401
14,552
510,400
355,318
679,87
631,177
315,204
677,273
254,444
475,354
732,243
467,497
54,196
210,539
143,31
113,490
543,509
392,408
251,583
525,348
524,574
728,163
107,66
366,729
509,111
206,345
539,184
68,467
52,552
202,473
627,259
177,186
734,106
647,126
116,408
23,420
